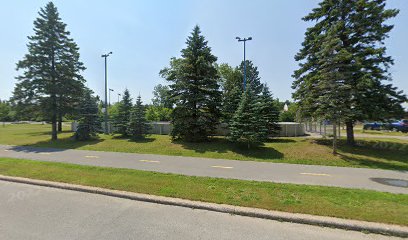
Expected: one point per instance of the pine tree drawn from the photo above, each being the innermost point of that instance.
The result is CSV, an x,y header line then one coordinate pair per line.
x,y
252,76
196,90
248,125
122,118
361,31
138,125
332,87
70,81
89,123
51,79
269,111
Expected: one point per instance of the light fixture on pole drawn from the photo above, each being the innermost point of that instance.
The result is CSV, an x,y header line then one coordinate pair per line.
x,y
106,92
244,40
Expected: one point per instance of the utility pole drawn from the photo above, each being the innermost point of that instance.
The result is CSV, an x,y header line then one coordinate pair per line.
x,y
119,96
106,130
244,40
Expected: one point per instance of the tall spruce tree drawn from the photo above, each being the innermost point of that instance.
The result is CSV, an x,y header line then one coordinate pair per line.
x,y
71,82
122,118
252,76
331,86
248,124
269,111
51,78
89,123
360,31
195,87
138,125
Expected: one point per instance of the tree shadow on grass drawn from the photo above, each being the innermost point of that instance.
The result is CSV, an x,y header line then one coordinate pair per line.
x,y
36,134
61,144
280,140
366,152
145,139
222,145
141,140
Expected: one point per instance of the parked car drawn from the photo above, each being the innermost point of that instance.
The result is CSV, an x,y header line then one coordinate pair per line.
x,y
401,126
373,126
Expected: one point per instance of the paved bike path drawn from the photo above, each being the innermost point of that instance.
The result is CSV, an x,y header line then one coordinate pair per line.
x,y
360,178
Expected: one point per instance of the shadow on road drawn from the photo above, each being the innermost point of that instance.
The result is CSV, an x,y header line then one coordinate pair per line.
x,y
391,182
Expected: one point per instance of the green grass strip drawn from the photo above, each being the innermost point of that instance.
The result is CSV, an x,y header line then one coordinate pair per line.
x,y
318,200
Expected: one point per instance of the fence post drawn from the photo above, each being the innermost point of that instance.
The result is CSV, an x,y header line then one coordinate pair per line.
x,y
320,127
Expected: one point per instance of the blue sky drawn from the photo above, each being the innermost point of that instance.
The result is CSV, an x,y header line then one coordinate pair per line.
x,y
144,35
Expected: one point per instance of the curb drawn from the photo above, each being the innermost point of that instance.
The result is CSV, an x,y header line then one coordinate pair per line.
x,y
371,227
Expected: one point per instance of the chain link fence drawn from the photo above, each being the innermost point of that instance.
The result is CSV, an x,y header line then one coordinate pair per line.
x,y
324,128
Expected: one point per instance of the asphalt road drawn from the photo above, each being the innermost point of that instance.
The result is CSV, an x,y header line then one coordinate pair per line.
x,y
374,179
33,212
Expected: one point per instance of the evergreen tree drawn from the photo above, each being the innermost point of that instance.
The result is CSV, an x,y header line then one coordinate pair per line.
x,y
138,125
196,90
89,123
70,81
360,31
122,118
252,76
332,87
51,80
269,111
248,125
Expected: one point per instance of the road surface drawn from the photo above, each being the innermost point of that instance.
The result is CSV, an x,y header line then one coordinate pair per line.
x,y
361,178
34,212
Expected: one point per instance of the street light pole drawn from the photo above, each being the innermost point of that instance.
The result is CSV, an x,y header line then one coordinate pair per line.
x,y
244,40
119,96
106,92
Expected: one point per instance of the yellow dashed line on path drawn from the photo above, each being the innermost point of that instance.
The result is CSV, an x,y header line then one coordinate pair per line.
x,y
222,167
149,161
45,153
91,156
6,150
316,174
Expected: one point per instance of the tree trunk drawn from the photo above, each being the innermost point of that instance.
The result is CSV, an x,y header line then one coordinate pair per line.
x,y
59,123
350,133
334,137
54,134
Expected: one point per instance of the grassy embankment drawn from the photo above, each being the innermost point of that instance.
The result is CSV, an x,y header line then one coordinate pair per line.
x,y
324,201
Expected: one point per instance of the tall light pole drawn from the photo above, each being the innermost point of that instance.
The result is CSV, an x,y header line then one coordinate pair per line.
x,y
119,96
106,91
244,40
110,90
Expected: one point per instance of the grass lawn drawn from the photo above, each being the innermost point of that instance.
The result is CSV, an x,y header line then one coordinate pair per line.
x,y
371,153
325,201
